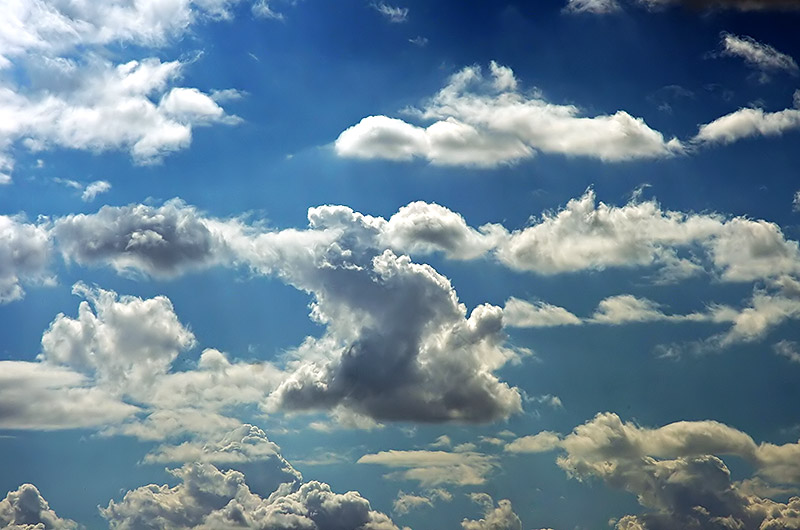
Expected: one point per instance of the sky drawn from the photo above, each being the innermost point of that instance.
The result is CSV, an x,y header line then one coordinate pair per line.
x,y
353,265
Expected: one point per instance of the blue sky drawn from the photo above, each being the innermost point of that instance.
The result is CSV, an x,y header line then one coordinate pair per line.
x,y
376,265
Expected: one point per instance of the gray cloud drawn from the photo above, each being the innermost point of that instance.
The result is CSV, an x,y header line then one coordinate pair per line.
x,y
207,498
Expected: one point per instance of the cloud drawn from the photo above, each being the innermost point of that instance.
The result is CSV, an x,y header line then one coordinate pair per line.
x,y
40,396
406,502
675,473
26,509
537,443
435,468
756,54
209,498
746,123
161,242
585,235
788,349
521,314
391,13
596,7
126,342
488,122
622,309
25,253
501,517
100,106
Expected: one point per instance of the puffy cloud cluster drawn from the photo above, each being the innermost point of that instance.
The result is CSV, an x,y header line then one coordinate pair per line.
x,y
487,122
675,472
25,251
102,106
76,97
209,498
26,509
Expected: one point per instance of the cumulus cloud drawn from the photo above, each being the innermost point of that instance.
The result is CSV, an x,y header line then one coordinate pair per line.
x,y
40,396
209,498
586,235
100,106
756,54
501,517
25,253
126,342
676,473
487,122
26,509
746,123
161,242
435,468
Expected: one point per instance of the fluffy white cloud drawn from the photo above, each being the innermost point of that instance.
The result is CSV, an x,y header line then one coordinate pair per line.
x,y
40,396
521,314
434,468
486,122
208,498
757,54
26,509
124,341
25,251
100,106
586,235
748,122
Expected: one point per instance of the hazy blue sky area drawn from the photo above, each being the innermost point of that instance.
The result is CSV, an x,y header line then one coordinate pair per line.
x,y
304,264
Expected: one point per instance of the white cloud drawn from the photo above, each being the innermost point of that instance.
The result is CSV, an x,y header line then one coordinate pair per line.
x,y
124,341
393,14
500,517
487,122
209,498
536,443
40,396
748,122
597,7
434,468
26,509
625,308
93,189
521,314
757,54
99,106
406,502
796,201
25,252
